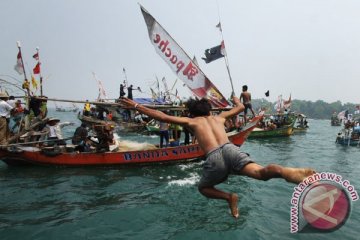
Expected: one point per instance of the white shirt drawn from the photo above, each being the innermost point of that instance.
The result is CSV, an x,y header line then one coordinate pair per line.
x,y
52,131
11,102
5,109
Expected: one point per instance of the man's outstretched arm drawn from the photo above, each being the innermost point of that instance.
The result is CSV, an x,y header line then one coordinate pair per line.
x,y
239,107
160,116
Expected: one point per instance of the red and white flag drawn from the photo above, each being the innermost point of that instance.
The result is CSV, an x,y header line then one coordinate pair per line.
x,y
18,66
287,104
36,69
181,64
280,104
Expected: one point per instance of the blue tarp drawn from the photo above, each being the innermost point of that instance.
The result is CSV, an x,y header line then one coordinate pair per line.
x,y
149,101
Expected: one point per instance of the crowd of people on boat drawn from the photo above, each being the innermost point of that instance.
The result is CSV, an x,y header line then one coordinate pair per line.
x,y
276,121
97,112
13,114
351,127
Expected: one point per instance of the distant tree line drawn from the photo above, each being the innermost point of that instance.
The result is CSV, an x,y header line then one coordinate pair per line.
x,y
316,110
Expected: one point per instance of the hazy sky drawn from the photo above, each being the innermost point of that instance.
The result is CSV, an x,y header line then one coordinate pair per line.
x,y
309,48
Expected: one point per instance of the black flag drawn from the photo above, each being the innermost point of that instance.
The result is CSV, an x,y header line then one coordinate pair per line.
x,y
267,93
213,54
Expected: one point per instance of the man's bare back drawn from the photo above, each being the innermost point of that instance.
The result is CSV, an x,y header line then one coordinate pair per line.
x,y
245,97
209,131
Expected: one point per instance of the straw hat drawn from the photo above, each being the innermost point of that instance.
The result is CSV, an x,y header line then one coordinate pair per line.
x,y
53,120
3,95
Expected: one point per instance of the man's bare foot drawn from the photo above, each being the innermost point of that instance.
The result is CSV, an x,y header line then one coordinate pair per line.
x,y
297,175
233,205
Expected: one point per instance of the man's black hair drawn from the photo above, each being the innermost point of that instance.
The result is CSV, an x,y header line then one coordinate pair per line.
x,y
198,108
245,88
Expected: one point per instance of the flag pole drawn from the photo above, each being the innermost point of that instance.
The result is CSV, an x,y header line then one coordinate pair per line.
x,y
125,81
27,121
22,61
41,78
23,66
225,54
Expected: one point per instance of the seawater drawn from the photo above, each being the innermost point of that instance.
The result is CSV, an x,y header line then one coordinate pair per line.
x,y
162,202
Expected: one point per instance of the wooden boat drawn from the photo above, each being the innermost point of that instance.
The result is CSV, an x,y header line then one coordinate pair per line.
x,y
284,131
300,129
36,156
301,125
347,141
349,137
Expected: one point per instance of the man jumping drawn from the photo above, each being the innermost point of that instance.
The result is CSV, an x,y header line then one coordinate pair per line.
x,y
222,157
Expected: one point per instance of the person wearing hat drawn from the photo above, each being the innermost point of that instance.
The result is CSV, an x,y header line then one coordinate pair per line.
x,y
11,101
105,136
5,111
53,131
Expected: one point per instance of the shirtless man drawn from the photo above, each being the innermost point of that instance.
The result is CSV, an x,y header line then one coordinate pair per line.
x,y
222,157
246,99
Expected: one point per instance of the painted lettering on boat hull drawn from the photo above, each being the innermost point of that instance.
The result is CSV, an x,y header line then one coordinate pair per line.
x,y
162,154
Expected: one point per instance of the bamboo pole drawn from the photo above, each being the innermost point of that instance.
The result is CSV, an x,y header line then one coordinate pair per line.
x,y
158,107
34,142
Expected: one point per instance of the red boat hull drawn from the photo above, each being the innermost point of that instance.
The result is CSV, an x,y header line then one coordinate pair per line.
x,y
161,155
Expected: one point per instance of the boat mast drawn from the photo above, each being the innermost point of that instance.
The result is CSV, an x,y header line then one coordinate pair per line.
x,y
125,80
224,51
22,61
25,86
41,78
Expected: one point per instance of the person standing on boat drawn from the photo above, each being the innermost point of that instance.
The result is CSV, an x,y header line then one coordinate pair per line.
x,y
187,132
222,157
164,134
130,89
122,92
87,108
43,107
5,111
246,100
11,101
